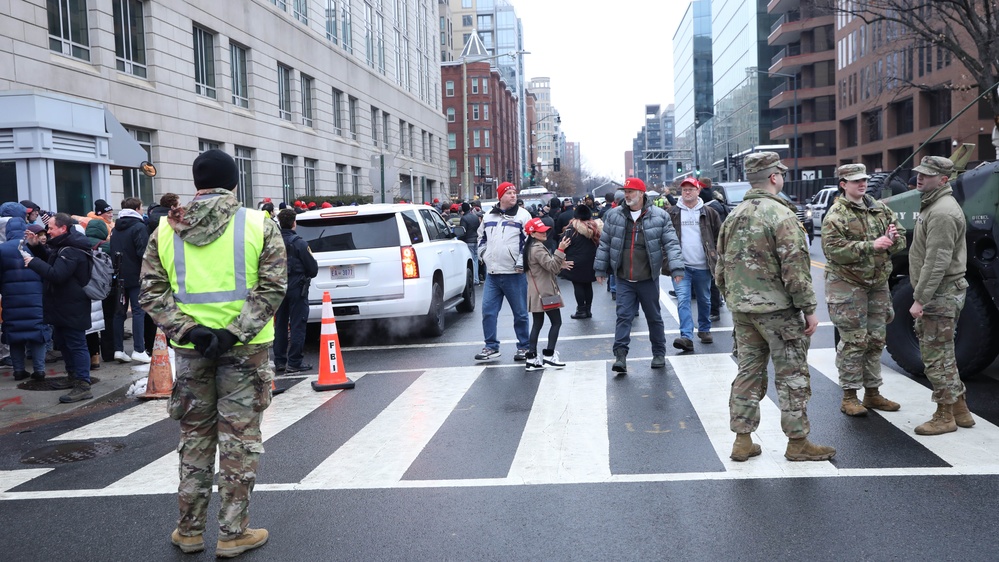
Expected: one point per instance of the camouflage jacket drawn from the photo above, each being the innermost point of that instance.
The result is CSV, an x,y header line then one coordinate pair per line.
x,y
939,252
848,234
763,260
201,222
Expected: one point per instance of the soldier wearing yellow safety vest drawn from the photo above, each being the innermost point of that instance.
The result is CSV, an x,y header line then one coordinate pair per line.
x,y
212,277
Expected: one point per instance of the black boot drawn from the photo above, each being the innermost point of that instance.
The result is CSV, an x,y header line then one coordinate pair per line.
x,y
587,310
621,361
81,391
580,312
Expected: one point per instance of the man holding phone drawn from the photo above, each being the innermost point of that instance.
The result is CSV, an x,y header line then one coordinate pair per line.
x,y
859,235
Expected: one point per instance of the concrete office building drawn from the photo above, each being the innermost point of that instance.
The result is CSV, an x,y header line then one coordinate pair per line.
x,y
693,90
303,94
545,129
882,120
805,94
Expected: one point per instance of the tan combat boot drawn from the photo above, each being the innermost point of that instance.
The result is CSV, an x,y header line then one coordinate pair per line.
x,y
962,416
851,406
804,450
250,539
744,448
941,422
874,400
186,544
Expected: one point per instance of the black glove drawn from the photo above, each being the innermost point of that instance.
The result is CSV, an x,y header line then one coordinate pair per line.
x,y
226,341
205,341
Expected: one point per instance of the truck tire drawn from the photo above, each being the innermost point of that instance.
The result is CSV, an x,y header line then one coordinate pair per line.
x,y
878,189
974,354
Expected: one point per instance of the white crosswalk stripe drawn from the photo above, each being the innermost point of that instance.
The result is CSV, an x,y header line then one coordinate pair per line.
x,y
565,439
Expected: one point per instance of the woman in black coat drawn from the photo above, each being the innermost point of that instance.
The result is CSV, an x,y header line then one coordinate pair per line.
x,y
585,235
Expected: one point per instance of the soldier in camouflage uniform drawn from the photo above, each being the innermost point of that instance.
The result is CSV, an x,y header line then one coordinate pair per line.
x,y
764,272
221,335
859,235
937,264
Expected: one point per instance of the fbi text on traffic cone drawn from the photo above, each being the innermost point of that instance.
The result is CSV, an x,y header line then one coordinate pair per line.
x,y
332,375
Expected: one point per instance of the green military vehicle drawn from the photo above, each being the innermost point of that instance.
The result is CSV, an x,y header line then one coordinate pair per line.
x,y
977,337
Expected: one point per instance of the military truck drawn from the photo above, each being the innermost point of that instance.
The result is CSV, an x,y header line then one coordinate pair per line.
x,y
977,336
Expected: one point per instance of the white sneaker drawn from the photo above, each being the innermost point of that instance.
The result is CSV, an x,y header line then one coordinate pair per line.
x,y
122,357
141,357
534,364
553,360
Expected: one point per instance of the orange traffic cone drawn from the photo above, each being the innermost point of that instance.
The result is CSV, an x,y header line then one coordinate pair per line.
x,y
160,380
332,375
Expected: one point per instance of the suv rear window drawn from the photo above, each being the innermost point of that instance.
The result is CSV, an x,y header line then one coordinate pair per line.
x,y
350,233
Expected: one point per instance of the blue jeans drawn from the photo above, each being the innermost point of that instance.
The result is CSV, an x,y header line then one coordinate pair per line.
x,y
612,283
513,286
291,316
629,295
73,345
138,323
473,248
37,348
701,281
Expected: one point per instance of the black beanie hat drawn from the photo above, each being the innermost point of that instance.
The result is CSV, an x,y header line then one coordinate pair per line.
x,y
214,168
582,212
101,206
555,204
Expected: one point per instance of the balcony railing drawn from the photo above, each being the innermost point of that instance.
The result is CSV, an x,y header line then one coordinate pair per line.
x,y
789,51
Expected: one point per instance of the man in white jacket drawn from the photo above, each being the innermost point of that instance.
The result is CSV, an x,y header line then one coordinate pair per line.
x,y
500,247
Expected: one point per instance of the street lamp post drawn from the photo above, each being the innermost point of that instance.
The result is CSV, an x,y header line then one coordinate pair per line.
x,y
466,178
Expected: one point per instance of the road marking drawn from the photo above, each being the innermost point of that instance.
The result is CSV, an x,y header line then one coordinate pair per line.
x,y
121,424
565,438
667,301
818,264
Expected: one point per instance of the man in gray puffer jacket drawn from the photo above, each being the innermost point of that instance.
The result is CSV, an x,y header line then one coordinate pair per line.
x,y
637,242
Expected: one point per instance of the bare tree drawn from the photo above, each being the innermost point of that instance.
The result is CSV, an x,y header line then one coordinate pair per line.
x,y
967,29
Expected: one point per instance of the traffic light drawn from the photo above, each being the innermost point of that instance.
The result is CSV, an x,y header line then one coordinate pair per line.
x,y
557,164
679,167
482,172
509,175
697,173
532,174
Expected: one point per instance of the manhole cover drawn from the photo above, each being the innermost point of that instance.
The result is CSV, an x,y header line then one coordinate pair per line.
x,y
65,453
47,384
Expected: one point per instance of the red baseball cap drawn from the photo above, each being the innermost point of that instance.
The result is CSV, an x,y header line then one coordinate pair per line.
x,y
691,181
503,187
312,204
535,225
634,183
327,204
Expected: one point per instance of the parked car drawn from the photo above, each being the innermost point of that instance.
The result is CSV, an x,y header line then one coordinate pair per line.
x,y
820,204
388,261
734,192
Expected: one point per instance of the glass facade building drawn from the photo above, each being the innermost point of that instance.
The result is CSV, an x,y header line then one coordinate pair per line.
x,y
694,97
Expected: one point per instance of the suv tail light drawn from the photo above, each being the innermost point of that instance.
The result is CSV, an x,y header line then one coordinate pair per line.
x,y
410,267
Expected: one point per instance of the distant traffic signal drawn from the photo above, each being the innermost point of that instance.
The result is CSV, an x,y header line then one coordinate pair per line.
x,y
557,164
679,167
509,175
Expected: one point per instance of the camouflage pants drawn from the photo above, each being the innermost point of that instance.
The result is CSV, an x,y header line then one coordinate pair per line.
x,y
862,316
219,404
936,341
779,336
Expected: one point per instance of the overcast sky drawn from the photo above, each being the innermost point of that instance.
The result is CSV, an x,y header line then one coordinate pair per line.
x,y
606,61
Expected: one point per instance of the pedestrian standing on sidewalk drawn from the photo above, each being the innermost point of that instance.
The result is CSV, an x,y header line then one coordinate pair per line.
x,y
584,232
128,243
542,268
221,332
938,262
697,227
293,314
24,327
470,222
859,235
764,272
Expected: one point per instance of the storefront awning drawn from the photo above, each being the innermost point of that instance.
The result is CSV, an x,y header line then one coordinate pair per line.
x,y
125,152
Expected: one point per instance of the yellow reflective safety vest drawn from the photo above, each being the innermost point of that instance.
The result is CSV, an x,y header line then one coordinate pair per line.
x,y
210,283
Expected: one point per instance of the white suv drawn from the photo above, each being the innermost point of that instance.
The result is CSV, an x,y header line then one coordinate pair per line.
x,y
387,261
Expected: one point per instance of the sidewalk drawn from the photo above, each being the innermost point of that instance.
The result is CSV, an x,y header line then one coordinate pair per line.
x,y
21,407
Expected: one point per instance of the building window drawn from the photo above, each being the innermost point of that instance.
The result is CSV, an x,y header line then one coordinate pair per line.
x,y
374,125
485,85
452,141
385,131
135,183
453,166
450,115
485,138
398,57
431,141
449,89
288,177
466,21
341,179
280,4
369,35
244,162
337,112
300,9
68,30
475,85
129,37
485,112
206,145
380,39
331,28
307,94
352,116
284,92
489,164
475,139
204,62
402,137
409,141
237,60
310,176
345,36
475,112
423,144
355,180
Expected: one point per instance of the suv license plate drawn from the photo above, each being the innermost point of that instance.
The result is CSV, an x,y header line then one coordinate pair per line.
x,y
341,272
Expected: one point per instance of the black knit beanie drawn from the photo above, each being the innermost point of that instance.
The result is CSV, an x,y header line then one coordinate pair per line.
x,y
214,168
